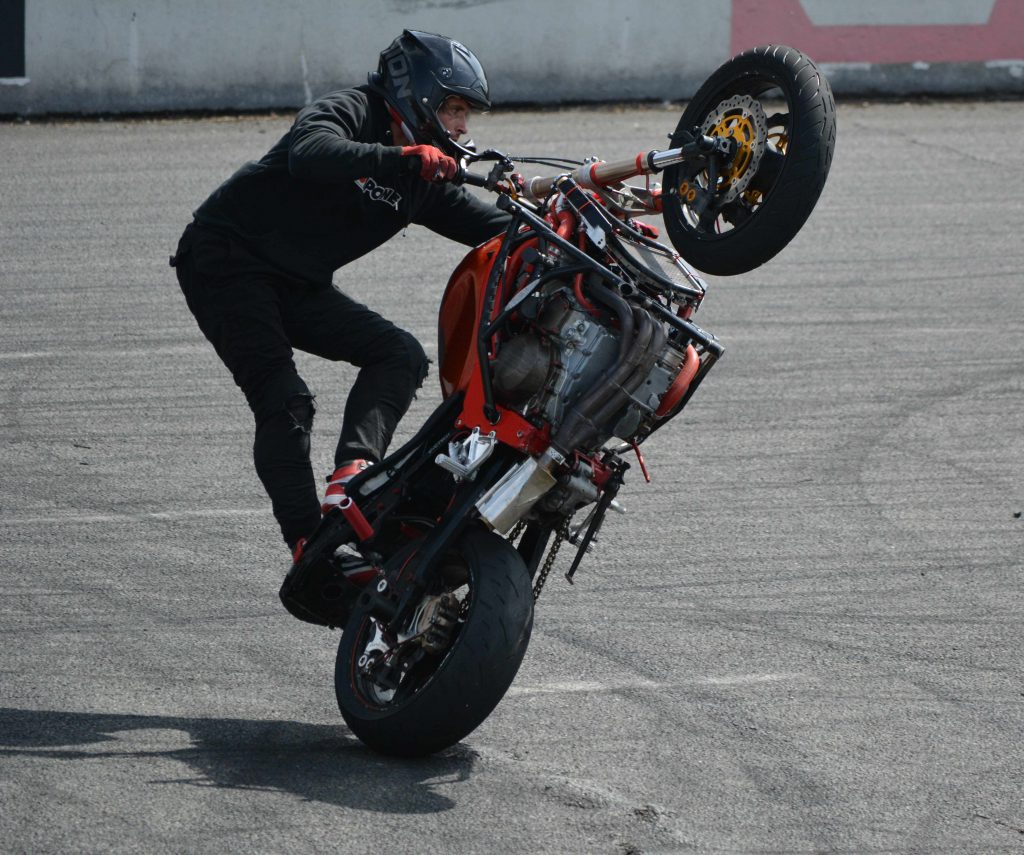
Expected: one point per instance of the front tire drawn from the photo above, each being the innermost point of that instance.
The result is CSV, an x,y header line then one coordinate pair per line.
x,y
445,695
775,103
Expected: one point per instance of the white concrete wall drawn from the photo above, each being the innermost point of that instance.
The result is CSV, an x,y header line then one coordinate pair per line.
x,y
88,56
139,55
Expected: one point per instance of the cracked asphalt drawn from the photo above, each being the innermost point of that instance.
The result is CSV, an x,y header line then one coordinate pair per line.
x,y
806,636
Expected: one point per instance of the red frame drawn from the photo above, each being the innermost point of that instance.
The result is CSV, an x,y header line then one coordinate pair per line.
x,y
458,325
458,329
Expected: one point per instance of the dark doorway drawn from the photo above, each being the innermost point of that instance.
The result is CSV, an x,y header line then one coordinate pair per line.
x,y
12,38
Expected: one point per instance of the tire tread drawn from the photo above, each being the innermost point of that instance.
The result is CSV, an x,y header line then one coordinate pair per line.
x,y
475,674
790,202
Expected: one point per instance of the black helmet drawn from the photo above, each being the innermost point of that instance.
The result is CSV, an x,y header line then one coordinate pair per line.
x,y
418,71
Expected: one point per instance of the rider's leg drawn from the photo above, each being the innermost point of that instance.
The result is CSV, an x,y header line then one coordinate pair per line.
x,y
381,395
239,309
283,410
392,366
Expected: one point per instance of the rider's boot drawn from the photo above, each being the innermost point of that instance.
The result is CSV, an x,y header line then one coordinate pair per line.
x,y
352,566
336,483
299,547
322,590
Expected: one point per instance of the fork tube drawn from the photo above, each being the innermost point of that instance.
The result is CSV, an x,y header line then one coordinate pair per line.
x,y
600,174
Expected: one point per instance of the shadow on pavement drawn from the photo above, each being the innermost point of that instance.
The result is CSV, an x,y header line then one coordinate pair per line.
x,y
315,762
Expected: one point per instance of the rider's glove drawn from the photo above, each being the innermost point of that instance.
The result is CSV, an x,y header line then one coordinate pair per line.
x,y
434,164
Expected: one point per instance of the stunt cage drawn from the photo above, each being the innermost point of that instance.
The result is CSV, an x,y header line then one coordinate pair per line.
x,y
647,257
660,280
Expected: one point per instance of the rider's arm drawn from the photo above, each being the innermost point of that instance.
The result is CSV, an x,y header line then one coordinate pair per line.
x,y
325,142
457,214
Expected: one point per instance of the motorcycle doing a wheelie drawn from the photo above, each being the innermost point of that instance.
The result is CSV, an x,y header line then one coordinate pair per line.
x,y
564,344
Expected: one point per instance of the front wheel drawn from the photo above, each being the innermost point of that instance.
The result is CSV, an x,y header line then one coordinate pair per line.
x,y
432,686
776,106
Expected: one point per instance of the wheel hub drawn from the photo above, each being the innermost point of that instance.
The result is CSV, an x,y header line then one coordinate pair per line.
x,y
740,118
433,625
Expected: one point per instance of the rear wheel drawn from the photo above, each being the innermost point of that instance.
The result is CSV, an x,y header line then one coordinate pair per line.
x,y
777,107
438,681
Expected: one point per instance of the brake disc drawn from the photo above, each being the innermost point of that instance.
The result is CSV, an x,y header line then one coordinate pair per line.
x,y
741,118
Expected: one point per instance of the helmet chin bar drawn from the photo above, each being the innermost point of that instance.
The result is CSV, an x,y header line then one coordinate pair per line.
x,y
467,150
446,139
433,131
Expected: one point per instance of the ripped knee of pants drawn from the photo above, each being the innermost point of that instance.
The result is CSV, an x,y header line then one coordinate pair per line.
x,y
418,362
300,409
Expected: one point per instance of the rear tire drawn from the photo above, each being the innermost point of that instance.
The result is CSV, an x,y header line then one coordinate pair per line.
x,y
446,696
779,172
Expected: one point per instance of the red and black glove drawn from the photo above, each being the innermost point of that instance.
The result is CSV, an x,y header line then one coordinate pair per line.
x,y
434,164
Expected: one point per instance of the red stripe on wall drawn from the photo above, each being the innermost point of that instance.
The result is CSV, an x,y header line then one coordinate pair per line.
x,y
758,22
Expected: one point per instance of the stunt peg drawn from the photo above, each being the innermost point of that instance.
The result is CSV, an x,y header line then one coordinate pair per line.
x,y
360,525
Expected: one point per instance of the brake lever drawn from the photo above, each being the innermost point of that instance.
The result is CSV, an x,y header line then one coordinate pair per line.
x,y
501,167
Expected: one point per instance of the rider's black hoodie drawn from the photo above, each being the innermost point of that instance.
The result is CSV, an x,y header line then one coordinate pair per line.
x,y
335,187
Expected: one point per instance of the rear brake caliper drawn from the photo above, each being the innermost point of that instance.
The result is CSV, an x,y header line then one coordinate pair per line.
x,y
433,625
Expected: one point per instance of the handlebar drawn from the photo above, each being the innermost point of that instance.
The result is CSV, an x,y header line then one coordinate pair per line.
x,y
592,175
599,174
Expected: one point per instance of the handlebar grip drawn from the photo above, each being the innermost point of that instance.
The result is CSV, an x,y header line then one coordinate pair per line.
x,y
464,177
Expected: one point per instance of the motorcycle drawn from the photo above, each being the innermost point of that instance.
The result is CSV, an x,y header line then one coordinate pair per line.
x,y
564,344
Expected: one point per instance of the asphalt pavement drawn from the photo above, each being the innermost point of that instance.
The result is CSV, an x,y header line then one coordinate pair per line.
x,y
806,636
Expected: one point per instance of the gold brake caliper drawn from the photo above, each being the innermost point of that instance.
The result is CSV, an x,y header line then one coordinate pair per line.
x,y
741,129
778,142
740,118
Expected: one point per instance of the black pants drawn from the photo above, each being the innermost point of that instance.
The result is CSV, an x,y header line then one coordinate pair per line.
x,y
254,317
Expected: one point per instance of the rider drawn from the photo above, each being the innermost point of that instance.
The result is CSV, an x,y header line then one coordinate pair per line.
x,y
356,167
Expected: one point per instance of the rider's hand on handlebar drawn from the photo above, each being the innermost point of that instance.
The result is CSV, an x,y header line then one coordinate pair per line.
x,y
434,164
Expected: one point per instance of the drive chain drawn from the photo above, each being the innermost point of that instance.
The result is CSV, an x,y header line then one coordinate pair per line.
x,y
561,534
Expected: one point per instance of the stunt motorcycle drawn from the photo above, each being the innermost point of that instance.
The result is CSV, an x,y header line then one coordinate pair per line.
x,y
564,344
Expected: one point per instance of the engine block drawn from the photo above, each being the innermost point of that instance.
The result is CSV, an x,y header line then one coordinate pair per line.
x,y
582,349
565,352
